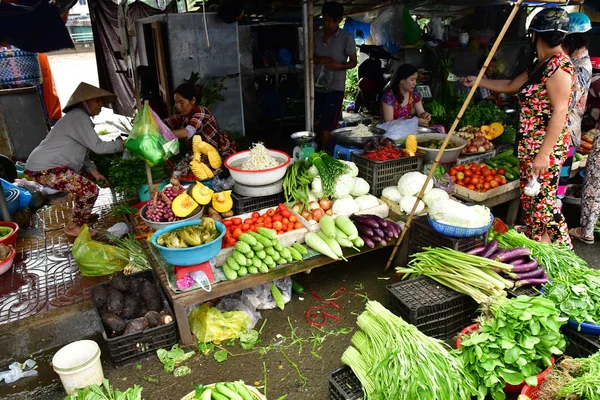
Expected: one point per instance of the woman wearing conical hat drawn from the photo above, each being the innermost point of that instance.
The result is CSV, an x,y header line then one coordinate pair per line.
x,y
59,161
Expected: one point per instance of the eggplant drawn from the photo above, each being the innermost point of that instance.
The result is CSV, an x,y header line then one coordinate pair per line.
x,y
477,251
393,228
536,273
520,261
382,222
491,248
532,281
367,239
365,230
360,219
378,239
379,232
388,233
528,267
510,255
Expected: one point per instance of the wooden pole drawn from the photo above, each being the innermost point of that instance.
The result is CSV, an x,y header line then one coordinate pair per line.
x,y
454,126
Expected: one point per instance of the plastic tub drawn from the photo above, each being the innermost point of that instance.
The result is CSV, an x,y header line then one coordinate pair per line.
x,y
449,155
257,177
508,388
12,238
191,255
78,365
6,264
458,231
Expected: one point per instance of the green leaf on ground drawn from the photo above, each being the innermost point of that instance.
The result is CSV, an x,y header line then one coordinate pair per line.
x,y
220,356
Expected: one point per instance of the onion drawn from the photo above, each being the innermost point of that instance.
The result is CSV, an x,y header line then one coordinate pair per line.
x,y
296,207
313,205
325,204
306,215
317,214
329,211
481,149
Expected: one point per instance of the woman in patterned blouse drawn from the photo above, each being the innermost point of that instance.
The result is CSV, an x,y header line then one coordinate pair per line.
x,y
402,100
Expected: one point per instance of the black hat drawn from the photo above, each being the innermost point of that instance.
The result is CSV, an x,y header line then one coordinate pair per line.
x,y
551,19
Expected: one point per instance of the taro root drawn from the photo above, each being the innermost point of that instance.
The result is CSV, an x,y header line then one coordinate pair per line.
x,y
136,325
120,282
130,307
153,318
114,324
115,301
135,285
151,296
99,296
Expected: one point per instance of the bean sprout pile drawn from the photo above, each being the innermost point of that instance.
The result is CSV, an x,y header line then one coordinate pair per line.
x,y
361,131
259,159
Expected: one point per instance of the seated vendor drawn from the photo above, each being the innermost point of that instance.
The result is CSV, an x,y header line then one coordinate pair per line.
x,y
57,162
193,119
402,100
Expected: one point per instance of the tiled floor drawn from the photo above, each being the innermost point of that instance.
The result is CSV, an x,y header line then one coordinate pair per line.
x,y
44,275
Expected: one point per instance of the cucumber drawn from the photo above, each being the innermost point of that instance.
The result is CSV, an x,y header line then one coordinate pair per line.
x,y
278,246
261,254
231,387
232,263
261,239
264,268
243,391
270,251
243,271
218,396
256,262
301,249
509,176
221,388
229,273
249,255
206,395
295,254
247,238
285,253
258,247
240,258
252,270
269,261
242,247
268,233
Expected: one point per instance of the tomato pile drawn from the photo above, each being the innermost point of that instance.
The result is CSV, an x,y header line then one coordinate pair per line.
x,y
280,219
478,177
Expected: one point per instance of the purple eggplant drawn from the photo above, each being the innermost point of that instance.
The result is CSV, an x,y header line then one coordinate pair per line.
x,y
536,273
382,222
379,232
365,230
378,239
520,261
510,255
361,219
521,268
477,251
491,248
388,233
532,281
368,242
391,226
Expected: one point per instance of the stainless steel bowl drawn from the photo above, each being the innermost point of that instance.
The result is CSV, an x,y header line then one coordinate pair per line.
x,y
449,155
343,136
303,136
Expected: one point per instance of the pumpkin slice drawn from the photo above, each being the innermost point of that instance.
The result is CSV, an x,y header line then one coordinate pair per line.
x,y
498,128
222,201
201,194
183,205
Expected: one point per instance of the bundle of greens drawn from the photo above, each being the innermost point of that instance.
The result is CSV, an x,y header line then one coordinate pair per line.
x,y
296,183
482,113
134,254
330,169
577,294
106,392
465,273
515,340
573,379
394,360
558,260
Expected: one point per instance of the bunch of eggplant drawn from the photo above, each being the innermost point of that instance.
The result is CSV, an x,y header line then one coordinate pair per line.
x,y
525,272
375,230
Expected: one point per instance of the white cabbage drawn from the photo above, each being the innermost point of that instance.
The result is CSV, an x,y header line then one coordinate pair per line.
x,y
410,184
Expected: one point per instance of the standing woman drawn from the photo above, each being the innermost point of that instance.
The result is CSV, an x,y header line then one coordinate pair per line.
x,y
545,92
59,160
401,99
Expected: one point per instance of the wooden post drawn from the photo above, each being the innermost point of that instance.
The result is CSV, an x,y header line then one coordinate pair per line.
x,y
455,124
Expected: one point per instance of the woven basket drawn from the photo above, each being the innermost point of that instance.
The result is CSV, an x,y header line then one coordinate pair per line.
x,y
255,393
19,68
457,231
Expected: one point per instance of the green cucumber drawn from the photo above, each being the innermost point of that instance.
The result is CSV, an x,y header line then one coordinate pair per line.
x,y
261,254
295,254
247,238
268,233
301,249
240,258
232,263
252,270
243,271
229,272
243,247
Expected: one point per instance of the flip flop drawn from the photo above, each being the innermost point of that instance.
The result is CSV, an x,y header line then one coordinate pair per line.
x,y
576,233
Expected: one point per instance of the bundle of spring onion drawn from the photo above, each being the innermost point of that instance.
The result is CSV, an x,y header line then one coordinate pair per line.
x,y
394,360
465,273
558,260
135,255
330,169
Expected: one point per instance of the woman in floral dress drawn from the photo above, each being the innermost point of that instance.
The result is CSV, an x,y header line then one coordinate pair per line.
x,y
401,99
545,92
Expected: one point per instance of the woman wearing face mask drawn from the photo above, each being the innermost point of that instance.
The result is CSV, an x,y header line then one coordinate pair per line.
x,y
402,100
545,92
192,119
59,160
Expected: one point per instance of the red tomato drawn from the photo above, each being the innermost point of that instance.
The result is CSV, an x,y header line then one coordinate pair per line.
x,y
494,184
260,220
237,233
466,167
474,180
246,227
282,207
471,187
460,168
503,180
498,178
293,218
467,180
277,218
285,221
255,215
270,212
297,225
501,171
269,225
237,221
479,186
277,225
460,183
493,172
468,172
290,227
487,185
267,219
248,221
286,213
489,178
453,179
231,242
227,222
453,171
483,165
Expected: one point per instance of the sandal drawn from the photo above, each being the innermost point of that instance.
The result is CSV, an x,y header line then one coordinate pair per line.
x,y
576,233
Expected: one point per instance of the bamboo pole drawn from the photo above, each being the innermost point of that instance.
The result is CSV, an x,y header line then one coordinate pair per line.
x,y
455,124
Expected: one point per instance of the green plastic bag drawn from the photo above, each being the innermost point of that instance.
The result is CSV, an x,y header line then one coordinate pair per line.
x,y
412,31
209,324
145,139
97,258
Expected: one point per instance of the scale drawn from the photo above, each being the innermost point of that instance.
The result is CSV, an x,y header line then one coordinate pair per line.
x,y
258,191
305,145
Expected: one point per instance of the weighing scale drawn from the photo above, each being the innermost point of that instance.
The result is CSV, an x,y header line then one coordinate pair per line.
x,y
258,191
305,145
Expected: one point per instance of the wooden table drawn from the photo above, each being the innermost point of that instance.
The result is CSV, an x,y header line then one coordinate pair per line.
x,y
180,301
512,197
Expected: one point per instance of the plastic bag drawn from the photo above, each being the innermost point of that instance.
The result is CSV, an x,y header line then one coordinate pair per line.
x,y
96,258
238,303
533,187
16,371
260,296
412,31
171,146
322,76
399,129
209,324
221,185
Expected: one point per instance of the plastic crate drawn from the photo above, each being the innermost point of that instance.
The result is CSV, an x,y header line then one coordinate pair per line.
x,y
344,385
381,174
242,205
531,291
422,235
476,158
129,349
580,345
434,309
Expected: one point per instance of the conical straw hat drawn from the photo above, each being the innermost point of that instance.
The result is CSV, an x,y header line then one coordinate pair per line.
x,y
85,92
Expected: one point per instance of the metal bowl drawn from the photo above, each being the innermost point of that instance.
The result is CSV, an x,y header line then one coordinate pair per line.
x,y
343,136
303,136
449,155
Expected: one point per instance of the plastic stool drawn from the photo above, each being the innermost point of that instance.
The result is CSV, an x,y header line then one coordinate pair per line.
x,y
344,152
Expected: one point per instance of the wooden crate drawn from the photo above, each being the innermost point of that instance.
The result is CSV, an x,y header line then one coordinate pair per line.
x,y
479,197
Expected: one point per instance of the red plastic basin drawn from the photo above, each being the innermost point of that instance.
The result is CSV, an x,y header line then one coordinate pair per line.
x,y
12,238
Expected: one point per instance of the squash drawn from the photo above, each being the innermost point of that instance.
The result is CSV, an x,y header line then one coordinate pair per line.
x,y
222,201
201,194
411,145
493,131
183,205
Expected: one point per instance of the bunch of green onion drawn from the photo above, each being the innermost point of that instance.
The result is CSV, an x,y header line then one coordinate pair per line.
x,y
394,360
465,273
134,254
330,169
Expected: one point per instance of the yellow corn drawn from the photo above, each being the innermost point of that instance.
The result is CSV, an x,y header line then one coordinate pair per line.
x,y
411,144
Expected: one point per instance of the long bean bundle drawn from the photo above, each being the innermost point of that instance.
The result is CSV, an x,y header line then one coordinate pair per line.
x,y
465,273
296,182
558,260
394,360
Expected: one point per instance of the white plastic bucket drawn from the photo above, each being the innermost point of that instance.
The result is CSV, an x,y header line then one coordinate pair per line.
x,y
78,365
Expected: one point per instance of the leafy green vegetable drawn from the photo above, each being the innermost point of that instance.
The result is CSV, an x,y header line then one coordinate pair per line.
x,y
170,358
106,392
249,340
514,342
220,356
206,348
182,371
576,294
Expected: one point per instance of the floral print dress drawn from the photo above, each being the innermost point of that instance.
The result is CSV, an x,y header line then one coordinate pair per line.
x,y
400,111
542,213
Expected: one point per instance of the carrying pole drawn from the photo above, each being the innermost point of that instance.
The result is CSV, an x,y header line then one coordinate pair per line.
x,y
455,125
